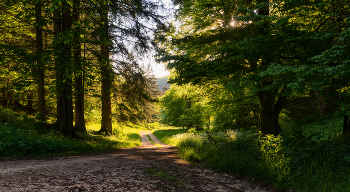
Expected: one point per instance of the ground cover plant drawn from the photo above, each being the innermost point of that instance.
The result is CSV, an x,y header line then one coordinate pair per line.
x,y
294,160
168,180
165,134
24,137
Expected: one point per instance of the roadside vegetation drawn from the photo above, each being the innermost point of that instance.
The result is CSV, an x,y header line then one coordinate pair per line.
x,y
24,137
263,89
259,88
302,158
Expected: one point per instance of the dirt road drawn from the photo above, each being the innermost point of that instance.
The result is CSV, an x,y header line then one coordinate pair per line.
x,y
147,168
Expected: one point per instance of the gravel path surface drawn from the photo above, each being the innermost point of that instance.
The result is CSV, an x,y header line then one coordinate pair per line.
x,y
147,168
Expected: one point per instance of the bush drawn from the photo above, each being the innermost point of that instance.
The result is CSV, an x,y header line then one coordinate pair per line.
x,y
288,161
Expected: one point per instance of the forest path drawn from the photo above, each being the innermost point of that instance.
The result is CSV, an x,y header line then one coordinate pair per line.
x,y
147,168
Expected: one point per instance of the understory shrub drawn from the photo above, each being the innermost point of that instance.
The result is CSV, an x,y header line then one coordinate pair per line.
x,y
287,161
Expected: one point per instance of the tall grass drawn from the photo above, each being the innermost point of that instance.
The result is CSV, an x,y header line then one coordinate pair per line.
x,y
24,137
165,133
295,160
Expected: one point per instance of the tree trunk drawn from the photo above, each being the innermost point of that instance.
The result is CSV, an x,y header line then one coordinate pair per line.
x,y
57,31
346,125
63,73
30,102
79,72
40,66
3,97
106,123
321,103
9,99
270,112
106,75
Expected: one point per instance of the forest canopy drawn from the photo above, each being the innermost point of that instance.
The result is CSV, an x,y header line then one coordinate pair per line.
x,y
74,61
279,51
257,88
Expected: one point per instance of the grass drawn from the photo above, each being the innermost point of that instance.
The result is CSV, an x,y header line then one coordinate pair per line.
x,y
309,157
169,181
302,158
165,134
127,135
23,137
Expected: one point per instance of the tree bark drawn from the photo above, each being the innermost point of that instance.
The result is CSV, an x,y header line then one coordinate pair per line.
x,y
346,125
270,112
40,66
30,102
63,72
3,97
321,103
57,31
106,75
270,109
9,99
79,73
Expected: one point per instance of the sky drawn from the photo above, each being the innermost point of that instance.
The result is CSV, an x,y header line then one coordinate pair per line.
x,y
159,69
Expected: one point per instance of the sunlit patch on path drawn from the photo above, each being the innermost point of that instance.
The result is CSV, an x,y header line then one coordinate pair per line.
x,y
146,143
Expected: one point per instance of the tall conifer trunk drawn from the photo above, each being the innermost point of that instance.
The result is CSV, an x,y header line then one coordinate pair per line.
x,y
106,75
63,22
57,30
346,125
3,97
79,72
30,102
40,65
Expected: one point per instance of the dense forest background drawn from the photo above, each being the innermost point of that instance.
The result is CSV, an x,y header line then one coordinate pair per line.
x,y
257,61
71,62
163,82
257,87
263,87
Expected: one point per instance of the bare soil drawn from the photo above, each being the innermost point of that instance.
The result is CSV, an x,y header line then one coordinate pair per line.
x,y
147,168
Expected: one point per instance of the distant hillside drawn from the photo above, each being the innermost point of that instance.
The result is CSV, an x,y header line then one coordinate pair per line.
x,y
162,82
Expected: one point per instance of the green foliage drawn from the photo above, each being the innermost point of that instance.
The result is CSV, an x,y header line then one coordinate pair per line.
x,y
285,47
154,125
211,105
36,40
324,128
184,106
165,134
289,161
20,143
23,137
233,109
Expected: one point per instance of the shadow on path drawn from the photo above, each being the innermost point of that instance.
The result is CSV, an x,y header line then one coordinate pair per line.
x,y
118,170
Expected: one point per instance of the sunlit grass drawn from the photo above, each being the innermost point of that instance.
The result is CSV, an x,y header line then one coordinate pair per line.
x,y
286,161
24,137
127,135
165,134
